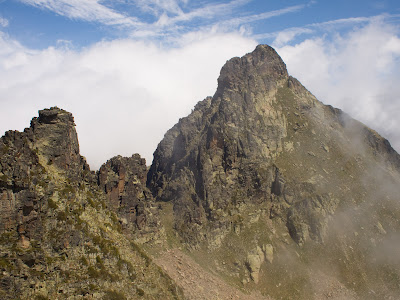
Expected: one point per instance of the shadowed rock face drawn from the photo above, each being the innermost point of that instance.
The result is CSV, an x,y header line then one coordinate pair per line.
x,y
220,156
123,179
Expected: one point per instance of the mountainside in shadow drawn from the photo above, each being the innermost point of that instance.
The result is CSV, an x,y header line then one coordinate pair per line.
x,y
262,192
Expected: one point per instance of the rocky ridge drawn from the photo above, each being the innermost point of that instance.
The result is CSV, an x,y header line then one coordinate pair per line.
x,y
59,240
262,190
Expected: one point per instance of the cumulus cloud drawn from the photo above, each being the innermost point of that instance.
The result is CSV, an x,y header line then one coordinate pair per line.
x,y
124,94
357,71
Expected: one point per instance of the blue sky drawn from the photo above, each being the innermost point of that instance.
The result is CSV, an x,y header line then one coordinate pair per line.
x,y
129,69
42,23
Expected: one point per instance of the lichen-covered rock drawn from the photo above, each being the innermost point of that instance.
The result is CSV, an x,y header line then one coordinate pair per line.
x,y
260,140
58,239
268,250
123,179
263,162
220,156
55,135
253,263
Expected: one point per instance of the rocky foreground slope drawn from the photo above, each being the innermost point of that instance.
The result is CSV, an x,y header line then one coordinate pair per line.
x,y
61,231
262,191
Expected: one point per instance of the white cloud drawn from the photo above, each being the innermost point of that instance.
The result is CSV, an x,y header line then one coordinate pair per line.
x,y
158,7
209,11
3,22
88,10
124,94
216,16
173,7
263,16
174,18
357,72
346,21
284,37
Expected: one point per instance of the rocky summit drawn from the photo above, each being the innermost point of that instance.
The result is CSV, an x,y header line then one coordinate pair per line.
x,y
262,192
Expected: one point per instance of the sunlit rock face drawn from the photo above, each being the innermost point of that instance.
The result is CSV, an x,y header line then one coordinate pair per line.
x,y
61,236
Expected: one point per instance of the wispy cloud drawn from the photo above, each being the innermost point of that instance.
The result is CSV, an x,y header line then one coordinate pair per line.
x,y
216,17
264,15
172,18
180,10
342,21
3,22
357,71
209,11
158,7
285,36
87,10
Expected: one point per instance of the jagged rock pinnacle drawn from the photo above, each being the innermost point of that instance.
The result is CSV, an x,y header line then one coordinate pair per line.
x,y
54,114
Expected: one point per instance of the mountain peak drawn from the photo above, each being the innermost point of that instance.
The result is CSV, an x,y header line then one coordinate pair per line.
x,y
54,114
260,69
55,136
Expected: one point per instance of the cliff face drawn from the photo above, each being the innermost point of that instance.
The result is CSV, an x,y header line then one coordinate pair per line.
x,y
50,143
263,168
58,237
123,179
220,156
